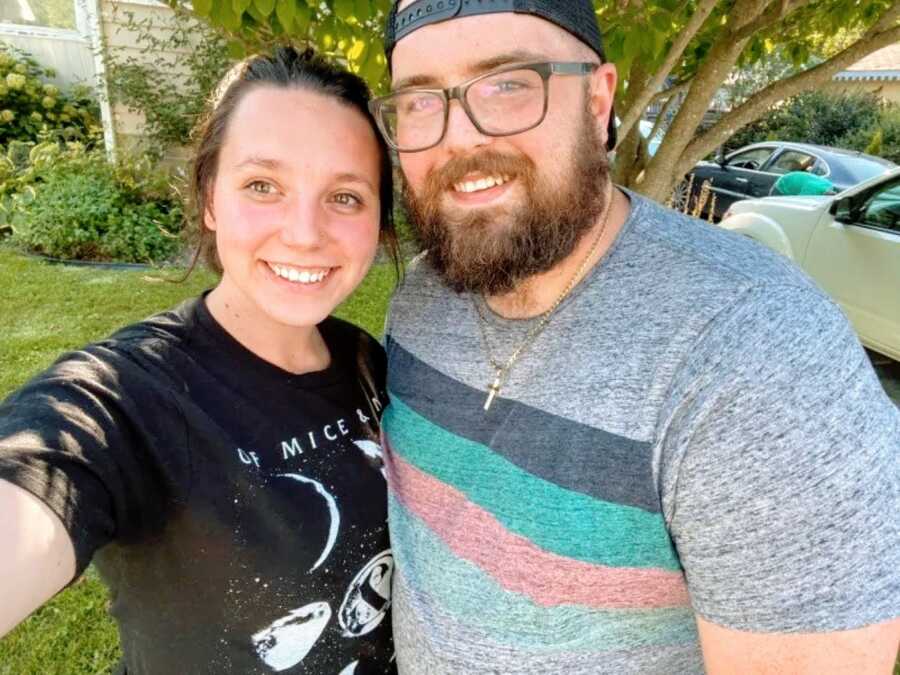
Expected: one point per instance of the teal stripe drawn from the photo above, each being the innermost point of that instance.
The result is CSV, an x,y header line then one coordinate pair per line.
x,y
438,583
561,521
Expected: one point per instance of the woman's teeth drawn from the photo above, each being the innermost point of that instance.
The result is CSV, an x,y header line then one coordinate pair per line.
x,y
299,276
480,184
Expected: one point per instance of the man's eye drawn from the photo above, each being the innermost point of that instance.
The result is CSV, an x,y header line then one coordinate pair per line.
x,y
508,87
421,104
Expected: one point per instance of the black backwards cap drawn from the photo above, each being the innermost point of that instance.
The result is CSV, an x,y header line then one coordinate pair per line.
x,y
575,16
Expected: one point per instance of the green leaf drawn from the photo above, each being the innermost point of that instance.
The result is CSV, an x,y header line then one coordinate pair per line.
x,y
356,53
363,10
302,19
374,68
344,9
286,10
240,6
203,7
265,7
236,50
224,15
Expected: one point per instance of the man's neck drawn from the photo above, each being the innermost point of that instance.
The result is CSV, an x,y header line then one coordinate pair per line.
x,y
538,293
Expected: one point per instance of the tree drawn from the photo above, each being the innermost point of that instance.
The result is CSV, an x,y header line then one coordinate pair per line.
x,y
672,52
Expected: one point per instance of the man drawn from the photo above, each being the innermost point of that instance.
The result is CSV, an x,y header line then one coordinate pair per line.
x,y
801,181
619,440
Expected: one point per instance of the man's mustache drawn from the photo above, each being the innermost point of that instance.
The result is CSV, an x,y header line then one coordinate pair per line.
x,y
489,163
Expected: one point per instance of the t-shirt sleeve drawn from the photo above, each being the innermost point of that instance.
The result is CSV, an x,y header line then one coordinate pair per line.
x,y
98,440
780,470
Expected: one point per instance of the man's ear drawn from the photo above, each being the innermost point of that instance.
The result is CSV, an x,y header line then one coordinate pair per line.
x,y
603,83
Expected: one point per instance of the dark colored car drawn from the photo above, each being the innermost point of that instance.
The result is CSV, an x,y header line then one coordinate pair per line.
x,y
754,169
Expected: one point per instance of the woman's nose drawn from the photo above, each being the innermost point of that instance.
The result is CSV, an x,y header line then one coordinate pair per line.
x,y
303,224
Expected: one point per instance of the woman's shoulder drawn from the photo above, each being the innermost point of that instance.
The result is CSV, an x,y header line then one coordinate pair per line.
x,y
338,331
354,346
131,357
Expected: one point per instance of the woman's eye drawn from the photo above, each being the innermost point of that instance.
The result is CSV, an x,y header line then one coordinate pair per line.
x,y
261,187
347,199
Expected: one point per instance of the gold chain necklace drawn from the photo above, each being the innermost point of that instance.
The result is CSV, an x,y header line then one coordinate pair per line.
x,y
501,370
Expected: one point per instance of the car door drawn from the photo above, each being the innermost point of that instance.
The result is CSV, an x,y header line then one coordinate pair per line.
x,y
735,179
858,263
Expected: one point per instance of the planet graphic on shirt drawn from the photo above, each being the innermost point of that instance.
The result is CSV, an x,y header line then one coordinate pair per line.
x,y
368,597
374,454
334,514
287,641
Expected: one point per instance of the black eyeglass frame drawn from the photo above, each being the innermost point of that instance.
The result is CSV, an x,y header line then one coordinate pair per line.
x,y
545,69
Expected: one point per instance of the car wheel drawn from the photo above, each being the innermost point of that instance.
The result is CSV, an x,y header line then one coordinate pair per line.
x,y
681,196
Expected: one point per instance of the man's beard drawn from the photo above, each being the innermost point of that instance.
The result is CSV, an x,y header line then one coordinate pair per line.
x,y
491,251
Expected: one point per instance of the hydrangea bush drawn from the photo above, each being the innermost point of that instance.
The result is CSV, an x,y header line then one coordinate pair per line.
x,y
32,108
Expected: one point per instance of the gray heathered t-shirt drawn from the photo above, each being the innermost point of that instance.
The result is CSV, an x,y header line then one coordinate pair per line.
x,y
696,431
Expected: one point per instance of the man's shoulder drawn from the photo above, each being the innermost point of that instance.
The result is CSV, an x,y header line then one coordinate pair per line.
x,y
718,257
421,292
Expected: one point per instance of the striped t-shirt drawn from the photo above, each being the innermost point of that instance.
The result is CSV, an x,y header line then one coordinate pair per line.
x,y
696,430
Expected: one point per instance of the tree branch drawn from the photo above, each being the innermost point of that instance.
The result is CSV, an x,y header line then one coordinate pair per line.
x,y
872,41
672,91
773,14
663,113
640,102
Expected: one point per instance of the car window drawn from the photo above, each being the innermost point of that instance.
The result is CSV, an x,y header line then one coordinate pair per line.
x,y
820,168
792,160
750,159
862,169
882,208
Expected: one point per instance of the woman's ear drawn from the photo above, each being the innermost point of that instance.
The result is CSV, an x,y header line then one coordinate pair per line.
x,y
209,221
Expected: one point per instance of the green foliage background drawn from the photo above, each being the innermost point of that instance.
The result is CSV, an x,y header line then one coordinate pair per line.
x,y
82,207
857,121
32,109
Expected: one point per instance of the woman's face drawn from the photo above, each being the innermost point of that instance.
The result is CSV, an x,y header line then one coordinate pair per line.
x,y
295,206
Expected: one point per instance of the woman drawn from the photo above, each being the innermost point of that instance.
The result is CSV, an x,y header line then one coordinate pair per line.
x,y
219,462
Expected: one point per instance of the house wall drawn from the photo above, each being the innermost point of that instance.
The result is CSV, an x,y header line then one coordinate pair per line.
x,y
123,43
889,90
66,52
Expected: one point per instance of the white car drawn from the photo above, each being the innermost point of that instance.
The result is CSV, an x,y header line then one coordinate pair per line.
x,y
849,243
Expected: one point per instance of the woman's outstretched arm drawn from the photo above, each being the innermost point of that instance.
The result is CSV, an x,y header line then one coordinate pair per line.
x,y
38,558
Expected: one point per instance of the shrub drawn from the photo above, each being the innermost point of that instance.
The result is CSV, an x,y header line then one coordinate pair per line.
x,y
814,117
883,137
78,206
32,108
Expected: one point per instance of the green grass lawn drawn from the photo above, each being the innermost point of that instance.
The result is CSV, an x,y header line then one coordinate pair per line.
x,y
45,310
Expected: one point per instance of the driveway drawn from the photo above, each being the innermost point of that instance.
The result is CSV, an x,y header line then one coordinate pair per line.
x,y
889,374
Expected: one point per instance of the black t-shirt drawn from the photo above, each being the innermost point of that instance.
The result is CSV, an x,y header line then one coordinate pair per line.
x,y
237,512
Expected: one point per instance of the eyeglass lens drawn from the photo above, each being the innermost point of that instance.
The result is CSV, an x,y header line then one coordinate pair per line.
x,y
501,104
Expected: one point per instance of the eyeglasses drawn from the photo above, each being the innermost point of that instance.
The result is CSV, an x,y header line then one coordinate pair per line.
x,y
502,102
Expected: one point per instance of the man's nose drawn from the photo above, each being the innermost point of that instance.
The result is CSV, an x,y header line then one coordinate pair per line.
x,y
462,134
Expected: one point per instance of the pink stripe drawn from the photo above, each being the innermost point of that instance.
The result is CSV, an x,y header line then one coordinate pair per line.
x,y
516,563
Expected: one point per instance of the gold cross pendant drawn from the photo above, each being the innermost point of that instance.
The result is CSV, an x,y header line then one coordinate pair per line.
x,y
494,390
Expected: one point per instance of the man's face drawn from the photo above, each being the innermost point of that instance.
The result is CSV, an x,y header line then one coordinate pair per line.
x,y
493,211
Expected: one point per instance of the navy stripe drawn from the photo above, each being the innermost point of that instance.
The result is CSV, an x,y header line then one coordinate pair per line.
x,y
592,461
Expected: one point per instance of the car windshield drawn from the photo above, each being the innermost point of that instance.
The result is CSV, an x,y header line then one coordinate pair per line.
x,y
862,169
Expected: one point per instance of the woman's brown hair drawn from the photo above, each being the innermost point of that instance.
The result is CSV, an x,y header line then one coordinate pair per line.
x,y
285,68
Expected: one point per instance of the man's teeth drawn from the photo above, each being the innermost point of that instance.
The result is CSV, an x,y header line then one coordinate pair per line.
x,y
298,276
480,184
